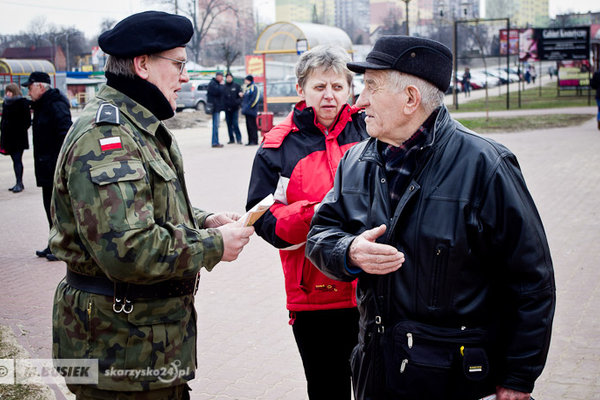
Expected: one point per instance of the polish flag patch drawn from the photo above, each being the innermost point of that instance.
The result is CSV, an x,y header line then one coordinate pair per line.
x,y
110,143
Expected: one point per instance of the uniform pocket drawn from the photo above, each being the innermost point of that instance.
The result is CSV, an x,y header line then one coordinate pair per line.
x,y
162,336
124,193
165,190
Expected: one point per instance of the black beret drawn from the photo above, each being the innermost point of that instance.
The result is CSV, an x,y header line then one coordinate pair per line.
x,y
147,32
424,58
36,76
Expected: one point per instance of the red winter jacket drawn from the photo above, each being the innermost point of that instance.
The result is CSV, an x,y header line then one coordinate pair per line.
x,y
296,163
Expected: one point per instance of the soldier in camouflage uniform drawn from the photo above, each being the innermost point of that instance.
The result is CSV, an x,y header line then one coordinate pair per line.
x,y
124,224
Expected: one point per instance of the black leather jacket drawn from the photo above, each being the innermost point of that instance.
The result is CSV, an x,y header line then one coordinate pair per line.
x,y
476,252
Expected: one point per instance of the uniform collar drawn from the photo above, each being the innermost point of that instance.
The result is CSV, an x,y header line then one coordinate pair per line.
x,y
132,110
143,92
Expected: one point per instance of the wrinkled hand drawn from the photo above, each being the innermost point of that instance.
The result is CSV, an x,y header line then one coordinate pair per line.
x,y
374,258
235,237
503,393
220,219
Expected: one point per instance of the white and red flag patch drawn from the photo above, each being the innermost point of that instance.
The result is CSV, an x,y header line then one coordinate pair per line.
x,y
110,143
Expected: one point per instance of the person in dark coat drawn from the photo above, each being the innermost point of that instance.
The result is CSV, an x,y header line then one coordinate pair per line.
x,y
232,98
16,119
214,98
51,121
250,109
456,287
595,84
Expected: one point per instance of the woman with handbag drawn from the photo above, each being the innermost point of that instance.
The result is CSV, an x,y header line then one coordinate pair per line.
x,y
16,119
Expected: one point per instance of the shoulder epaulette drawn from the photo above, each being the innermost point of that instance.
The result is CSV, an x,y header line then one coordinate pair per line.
x,y
108,114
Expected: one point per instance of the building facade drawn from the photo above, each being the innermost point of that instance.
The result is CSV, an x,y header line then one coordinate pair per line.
x,y
522,13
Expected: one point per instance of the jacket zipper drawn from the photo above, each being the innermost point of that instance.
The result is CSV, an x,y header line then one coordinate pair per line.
x,y
438,264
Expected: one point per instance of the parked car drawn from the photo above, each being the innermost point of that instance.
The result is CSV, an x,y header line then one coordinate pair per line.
x,y
479,79
512,75
358,84
497,75
193,95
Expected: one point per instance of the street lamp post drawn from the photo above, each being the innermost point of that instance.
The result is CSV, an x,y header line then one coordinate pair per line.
x,y
406,3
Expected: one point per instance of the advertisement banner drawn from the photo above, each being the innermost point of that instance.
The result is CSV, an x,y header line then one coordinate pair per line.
x,y
559,44
550,44
512,44
256,68
574,73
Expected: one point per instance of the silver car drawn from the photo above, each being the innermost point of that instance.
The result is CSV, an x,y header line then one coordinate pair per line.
x,y
193,95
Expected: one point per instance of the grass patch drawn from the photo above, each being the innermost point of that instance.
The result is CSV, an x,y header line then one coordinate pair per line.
x,y
524,123
10,349
530,99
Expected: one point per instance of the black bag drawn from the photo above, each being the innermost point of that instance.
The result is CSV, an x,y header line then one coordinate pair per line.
x,y
425,362
209,108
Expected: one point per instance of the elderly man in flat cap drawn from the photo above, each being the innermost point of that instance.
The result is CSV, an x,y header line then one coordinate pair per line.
x,y
455,282
51,122
124,225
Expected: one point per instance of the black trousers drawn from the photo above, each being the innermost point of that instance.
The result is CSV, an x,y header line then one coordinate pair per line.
x,y
47,197
325,340
252,129
17,159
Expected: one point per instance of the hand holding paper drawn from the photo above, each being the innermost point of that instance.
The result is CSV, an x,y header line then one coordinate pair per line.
x,y
257,211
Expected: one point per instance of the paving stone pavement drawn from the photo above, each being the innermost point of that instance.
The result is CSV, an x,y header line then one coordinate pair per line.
x,y
246,348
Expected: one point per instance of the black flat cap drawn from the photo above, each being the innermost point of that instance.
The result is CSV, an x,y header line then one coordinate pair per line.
x,y
424,58
36,76
147,32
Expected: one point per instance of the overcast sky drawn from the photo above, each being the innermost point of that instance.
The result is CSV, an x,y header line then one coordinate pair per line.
x,y
85,15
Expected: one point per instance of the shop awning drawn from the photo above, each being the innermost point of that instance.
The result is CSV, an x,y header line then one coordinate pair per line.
x,y
25,67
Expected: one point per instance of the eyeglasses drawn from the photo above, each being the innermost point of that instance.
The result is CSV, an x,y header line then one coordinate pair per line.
x,y
181,62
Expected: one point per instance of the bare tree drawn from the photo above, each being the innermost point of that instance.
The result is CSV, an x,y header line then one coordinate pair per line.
x,y
106,24
390,23
203,14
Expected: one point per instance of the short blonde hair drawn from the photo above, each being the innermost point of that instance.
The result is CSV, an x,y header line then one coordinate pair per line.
x,y
326,57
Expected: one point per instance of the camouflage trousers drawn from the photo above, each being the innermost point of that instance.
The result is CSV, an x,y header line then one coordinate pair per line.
x,y
86,392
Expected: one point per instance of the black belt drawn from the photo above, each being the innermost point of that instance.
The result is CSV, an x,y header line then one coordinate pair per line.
x,y
104,286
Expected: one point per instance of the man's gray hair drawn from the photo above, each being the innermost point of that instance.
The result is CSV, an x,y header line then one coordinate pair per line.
x,y
324,57
120,66
431,96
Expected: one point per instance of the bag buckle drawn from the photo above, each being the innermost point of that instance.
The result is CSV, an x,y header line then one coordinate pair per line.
x,y
378,322
122,304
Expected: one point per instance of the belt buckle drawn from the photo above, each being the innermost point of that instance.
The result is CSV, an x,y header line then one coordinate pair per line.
x,y
197,283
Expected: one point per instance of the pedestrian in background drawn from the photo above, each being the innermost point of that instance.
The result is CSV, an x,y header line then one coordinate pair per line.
x,y
232,98
250,109
595,84
51,121
533,73
296,162
124,225
455,278
16,120
214,99
466,82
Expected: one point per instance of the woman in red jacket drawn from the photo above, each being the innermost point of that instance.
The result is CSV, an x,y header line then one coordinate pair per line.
x,y
296,163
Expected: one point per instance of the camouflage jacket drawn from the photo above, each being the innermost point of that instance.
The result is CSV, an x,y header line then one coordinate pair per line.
x,y
120,209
